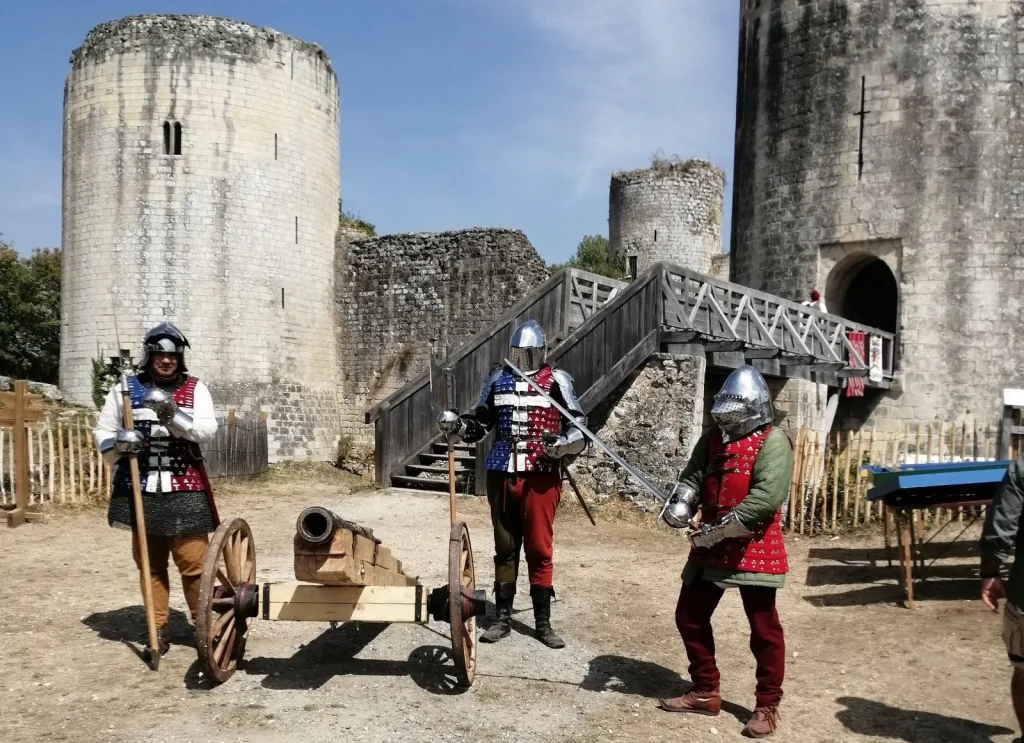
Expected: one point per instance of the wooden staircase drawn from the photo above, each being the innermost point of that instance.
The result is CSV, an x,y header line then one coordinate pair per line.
x,y
429,470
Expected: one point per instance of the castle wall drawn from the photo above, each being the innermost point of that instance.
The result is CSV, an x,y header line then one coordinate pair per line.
x,y
396,292
931,187
232,239
672,212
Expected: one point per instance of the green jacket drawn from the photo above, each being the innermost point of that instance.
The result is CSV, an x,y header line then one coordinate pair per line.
x,y
769,488
1001,536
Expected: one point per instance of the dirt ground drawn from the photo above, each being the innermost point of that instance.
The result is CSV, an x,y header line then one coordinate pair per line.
x,y
860,667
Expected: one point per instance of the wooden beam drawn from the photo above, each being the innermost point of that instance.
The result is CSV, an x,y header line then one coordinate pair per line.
x,y
685,349
727,359
304,602
762,353
717,346
801,360
679,336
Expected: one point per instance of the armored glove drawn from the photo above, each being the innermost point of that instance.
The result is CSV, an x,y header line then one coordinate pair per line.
x,y
681,506
450,424
162,403
555,447
128,441
711,534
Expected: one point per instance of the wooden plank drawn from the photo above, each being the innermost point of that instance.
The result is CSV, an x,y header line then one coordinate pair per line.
x,y
618,373
726,359
312,603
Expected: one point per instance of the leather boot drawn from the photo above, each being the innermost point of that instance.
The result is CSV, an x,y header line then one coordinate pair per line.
x,y
541,596
163,641
763,722
504,595
697,702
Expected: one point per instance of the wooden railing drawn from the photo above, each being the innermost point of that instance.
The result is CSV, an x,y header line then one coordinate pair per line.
x,y
403,422
722,312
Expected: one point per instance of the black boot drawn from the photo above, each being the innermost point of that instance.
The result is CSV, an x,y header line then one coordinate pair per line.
x,y
504,594
541,596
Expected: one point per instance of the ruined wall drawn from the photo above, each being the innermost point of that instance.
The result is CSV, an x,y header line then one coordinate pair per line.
x,y
672,212
232,239
653,420
397,292
931,186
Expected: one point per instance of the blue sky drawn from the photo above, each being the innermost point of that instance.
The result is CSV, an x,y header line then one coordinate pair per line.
x,y
454,113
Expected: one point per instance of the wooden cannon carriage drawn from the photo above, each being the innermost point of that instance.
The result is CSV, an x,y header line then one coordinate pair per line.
x,y
343,574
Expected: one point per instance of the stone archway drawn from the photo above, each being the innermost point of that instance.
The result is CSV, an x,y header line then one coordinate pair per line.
x,y
862,288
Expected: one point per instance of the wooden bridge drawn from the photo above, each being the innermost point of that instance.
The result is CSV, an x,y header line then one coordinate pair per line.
x,y
601,330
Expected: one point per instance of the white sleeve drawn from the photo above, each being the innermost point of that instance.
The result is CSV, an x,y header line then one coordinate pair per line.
x,y
204,419
109,422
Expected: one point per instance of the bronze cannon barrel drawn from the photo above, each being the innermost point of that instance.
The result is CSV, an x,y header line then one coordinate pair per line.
x,y
317,525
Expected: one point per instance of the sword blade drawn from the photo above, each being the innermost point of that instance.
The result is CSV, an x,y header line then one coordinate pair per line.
x,y
639,476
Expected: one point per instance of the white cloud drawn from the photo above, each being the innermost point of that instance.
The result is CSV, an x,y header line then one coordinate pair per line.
x,y
625,79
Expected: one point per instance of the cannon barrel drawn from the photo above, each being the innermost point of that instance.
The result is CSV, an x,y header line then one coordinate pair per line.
x,y
317,525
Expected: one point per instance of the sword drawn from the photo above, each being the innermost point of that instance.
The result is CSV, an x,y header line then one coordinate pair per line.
x,y
640,477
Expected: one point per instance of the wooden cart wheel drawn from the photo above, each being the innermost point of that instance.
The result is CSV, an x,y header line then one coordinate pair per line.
x,y
461,585
221,630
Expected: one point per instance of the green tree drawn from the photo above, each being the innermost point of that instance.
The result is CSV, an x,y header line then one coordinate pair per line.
x,y
593,253
30,314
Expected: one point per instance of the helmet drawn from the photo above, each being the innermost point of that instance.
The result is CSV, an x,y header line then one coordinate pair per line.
x,y
164,338
743,404
526,349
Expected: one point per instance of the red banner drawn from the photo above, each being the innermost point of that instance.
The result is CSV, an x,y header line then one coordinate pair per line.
x,y
855,385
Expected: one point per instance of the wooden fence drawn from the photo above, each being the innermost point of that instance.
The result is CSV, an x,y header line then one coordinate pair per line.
x,y
828,489
65,467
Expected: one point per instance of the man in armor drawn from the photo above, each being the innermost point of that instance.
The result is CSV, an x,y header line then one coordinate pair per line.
x,y
524,479
737,479
172,414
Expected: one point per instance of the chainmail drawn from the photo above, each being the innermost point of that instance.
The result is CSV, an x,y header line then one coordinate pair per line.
x,y
167,514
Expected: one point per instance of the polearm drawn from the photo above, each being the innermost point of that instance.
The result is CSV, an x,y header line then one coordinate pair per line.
x,y
140,524
448,404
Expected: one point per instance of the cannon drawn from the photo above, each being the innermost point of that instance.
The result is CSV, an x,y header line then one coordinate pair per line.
x,y
343,574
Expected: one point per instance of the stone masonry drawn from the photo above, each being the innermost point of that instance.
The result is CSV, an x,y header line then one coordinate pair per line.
x,y
201,183
397,292
670,212
890,135
653,421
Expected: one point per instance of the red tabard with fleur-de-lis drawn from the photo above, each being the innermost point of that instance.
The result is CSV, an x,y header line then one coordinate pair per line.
x,y
726,483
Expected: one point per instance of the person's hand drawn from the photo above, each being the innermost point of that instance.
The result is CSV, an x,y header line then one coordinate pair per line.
x,y
991,591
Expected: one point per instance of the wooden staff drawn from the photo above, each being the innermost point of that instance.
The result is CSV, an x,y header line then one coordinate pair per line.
x,y
813,494
3,490
801,439
846,475
140,531
49,443
60,458
835,485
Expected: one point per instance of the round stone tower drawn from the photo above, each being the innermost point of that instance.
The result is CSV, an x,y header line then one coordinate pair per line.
x,y
879,153
670,212
201,186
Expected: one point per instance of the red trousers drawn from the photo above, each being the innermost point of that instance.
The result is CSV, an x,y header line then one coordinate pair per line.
x,y
697,602
523,516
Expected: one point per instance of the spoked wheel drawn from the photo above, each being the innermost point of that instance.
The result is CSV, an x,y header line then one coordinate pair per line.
x,y
461,589
228,581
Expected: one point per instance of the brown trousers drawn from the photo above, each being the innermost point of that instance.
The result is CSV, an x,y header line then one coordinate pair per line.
x,y
188,553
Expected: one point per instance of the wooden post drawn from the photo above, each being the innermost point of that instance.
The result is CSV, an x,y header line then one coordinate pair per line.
x,y
71,462
835,484
60,458
31,463
814,493
801,439
862,484
3,490
846,475
20,409
80,454
231,428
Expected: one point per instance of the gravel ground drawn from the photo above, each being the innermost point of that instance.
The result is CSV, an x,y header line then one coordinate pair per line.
x,y
860,666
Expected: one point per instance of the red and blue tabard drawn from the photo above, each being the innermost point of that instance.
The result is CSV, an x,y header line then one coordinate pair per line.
x,y
522,419
167,464
726,483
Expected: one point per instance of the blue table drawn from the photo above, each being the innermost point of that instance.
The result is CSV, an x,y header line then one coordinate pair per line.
x,y
908,487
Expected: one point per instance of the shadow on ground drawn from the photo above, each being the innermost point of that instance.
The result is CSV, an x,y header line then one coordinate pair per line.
x,y
868,717
333,654
622,675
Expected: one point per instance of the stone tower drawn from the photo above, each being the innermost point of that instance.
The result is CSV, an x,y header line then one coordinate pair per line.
x,y
201,185
880,158
670,212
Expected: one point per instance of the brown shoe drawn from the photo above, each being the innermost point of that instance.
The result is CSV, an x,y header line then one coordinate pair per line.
x,y
763,722
698,702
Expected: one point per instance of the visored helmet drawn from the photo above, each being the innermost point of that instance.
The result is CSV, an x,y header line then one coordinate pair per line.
x,y
743,404
164,338
527,347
